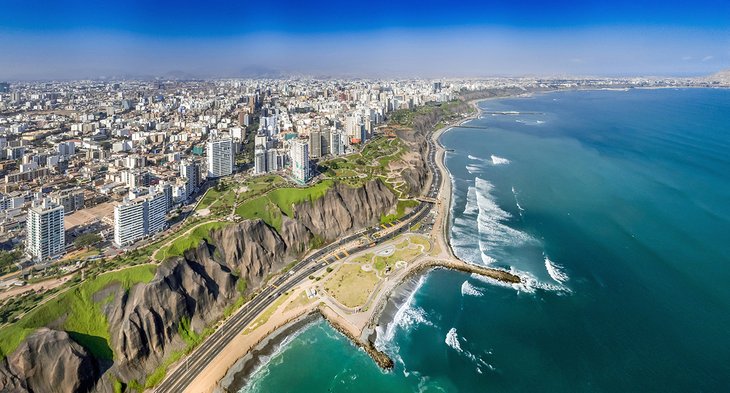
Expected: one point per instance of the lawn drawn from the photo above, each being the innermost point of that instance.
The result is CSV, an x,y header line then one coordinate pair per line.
x,y
285,198
271,206
351,286
405,251
84,321
210,196
190,240
261,208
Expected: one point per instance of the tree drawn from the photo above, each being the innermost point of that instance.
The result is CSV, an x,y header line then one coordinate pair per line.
x,y
8,259
87,239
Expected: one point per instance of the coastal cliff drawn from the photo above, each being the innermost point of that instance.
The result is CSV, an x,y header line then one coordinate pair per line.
x,y
343,209
186,295
150,321
49,361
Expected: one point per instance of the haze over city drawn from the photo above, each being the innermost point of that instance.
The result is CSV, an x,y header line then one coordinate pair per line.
x,y
363,39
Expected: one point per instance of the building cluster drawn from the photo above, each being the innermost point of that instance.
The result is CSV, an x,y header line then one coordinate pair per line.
x,y
120,158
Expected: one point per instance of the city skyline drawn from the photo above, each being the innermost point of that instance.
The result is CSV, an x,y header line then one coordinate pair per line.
x,y
377,39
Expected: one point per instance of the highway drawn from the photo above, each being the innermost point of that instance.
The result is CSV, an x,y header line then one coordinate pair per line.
x,y
195,363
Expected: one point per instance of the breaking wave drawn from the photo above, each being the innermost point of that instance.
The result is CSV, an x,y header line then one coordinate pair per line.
x,y
520,209
496,160
468,289
407,316
555,271
472,169
452,340
490,220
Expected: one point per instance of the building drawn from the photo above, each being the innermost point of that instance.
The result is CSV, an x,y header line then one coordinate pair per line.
x,y
190,171
143,216
220,157
129,221
46,237
335,145
71,200
315,144
300,160
260,161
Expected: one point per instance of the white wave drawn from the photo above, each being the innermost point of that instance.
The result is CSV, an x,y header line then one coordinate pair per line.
x,y
262,369
555,271
530,122
472,169
492,232
452,340
468,289
520,209
471,157
491,218
407,316
496,160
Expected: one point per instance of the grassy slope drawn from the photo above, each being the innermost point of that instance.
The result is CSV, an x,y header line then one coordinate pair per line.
x,y
192,239
271,206
84,320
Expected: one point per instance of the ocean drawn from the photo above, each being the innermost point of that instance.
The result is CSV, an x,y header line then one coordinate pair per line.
x,y
615,207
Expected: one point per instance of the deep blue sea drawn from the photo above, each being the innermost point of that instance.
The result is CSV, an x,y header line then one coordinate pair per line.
x,y
615,207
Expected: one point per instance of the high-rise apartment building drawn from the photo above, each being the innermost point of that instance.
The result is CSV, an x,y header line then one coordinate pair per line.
x,y
300,160
315,144
220,157
46,236
190,171
335,145
139,217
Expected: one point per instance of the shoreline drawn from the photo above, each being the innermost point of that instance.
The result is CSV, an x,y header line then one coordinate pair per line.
x,y
238,375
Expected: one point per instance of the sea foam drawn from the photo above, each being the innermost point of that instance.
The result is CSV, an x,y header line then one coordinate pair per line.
x,y
555,271
452,340
497,160
468,289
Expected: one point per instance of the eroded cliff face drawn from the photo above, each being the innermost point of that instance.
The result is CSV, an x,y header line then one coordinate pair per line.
x,y
147,320
416,176
253,249
343,209
189,292
49,361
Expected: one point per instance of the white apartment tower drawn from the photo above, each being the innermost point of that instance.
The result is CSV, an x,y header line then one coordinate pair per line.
x,y
136,218
46,236
220,157
190,171
300,160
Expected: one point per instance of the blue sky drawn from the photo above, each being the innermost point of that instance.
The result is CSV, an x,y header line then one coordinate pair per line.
x,y
72,38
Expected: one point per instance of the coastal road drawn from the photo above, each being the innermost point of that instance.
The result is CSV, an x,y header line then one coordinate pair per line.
x,y
195,363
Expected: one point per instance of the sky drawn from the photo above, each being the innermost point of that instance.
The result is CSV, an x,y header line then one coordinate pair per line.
x,y
48,39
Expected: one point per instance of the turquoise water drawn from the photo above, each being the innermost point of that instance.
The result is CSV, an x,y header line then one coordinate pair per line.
x,y
615,205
